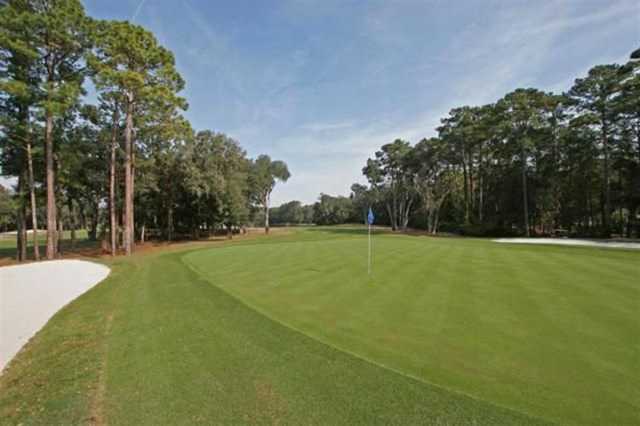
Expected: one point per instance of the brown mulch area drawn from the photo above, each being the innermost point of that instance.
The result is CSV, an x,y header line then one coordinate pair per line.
x,y
94,250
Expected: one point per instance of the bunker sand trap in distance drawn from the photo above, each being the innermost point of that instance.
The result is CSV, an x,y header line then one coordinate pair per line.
x,y
31,294
572,242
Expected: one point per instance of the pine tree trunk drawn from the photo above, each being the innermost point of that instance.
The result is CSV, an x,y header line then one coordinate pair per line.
x,y
266,214
32,189
472,196
465,176
394,217
72,223
128,181
525,196
607,186
21,222
121,227
51,194
170,223
480,191
113,224
132,216
32,197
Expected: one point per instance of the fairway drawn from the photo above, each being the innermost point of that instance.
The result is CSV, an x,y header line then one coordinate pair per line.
x,y
289,329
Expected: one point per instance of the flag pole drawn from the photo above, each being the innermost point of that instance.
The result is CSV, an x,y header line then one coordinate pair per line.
x,y
370,219
369,258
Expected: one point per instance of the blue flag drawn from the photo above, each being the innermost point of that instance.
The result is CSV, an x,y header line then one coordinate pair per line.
x,y
370,217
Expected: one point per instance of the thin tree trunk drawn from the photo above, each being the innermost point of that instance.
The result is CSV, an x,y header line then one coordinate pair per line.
x,y
113,225
32,197
170,223
72,223
266,213
471,185
480,190
21,222
394,217
525,201
142,233
128,181
121,227
390,213
407,212
51,194
465,176
607,187
132,216
60,235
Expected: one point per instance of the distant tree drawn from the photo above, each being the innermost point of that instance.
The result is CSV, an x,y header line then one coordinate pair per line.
x,y
389,177
7,210
307,213
234,197
363,198
60,30
331,210
524,112
19,83
289,213
627,107
435,177
130,62
461,132
593,98
263,175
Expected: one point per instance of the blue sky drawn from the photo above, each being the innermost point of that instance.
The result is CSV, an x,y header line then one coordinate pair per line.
x,y
322,84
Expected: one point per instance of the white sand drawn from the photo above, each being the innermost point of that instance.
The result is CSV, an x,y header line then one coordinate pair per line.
x,y
571,242
31,294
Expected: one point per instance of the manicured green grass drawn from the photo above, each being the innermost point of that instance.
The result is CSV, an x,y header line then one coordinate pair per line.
x,y
290,329
548,331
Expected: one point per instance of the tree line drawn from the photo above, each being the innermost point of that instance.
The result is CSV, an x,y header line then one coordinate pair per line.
x,y
126,165
531,163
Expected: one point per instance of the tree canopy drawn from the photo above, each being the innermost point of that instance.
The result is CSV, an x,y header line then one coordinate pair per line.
x,y
131,151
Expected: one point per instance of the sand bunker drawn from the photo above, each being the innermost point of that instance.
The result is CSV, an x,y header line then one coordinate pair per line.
x,y
31,294
571,242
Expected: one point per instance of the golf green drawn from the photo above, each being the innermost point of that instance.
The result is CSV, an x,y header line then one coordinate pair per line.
x,y
548,331
292,330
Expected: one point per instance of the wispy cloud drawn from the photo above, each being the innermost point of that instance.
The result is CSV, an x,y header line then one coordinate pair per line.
x,y
324,127
137,11
322,84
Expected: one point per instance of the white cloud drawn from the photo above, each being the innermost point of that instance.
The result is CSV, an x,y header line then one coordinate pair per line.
x,y
324,127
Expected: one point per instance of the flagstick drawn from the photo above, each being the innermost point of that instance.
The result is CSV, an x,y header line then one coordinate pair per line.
x,y
369,259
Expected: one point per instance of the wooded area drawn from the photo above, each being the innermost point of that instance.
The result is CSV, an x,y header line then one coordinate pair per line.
x,y
532,163
125,165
